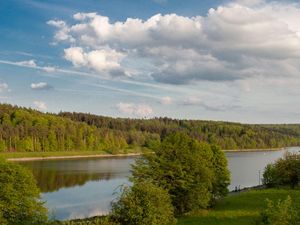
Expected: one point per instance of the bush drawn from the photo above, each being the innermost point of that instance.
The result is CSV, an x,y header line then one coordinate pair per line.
x,y
143,203
19,197
285,171
281,213
270,177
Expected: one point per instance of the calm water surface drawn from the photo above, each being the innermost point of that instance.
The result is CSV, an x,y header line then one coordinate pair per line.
x,y
81,188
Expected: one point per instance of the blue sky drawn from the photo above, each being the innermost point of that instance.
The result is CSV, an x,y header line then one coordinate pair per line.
x,y
214,59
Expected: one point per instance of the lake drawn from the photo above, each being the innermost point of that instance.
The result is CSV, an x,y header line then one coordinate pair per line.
x,y
78,188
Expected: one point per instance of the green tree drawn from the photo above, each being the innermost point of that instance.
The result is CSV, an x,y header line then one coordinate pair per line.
x,y
221,173
19,197
187,170
143,203
285,171
288,169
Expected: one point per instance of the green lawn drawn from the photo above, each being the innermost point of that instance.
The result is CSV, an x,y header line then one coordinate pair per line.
x,y
239,209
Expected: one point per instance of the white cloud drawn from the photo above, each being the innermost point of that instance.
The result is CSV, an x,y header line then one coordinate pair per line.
x,y
32,64
140,110
167,100
40,86
242,39
104,60
28,63
40,105
3,87
75,55
63,33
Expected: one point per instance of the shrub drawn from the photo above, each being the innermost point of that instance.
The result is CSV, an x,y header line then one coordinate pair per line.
x,y
281,213
143,203
285,171
270,176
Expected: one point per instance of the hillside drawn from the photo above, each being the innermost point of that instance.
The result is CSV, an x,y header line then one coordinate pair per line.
x,y
23,129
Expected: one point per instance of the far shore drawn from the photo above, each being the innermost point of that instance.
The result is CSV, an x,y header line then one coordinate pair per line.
x,y
73,157
257,150
78,155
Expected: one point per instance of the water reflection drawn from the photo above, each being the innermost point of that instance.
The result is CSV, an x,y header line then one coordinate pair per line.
x,y
52,175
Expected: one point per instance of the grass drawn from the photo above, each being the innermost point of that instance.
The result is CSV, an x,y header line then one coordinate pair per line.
x,y
10,155
240,209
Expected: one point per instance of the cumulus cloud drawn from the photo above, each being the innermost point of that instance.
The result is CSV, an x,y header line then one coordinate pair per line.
x,y
3,87
40,86
40,105
104,60
140,110
242,39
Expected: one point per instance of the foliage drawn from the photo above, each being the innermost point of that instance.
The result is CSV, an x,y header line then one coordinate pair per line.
x,y
270,176
285,171
28,130
193,173
19,197
143,203
281,213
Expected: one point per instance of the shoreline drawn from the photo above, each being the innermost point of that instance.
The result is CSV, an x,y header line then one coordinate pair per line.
x,y
104,155
72,157
257,150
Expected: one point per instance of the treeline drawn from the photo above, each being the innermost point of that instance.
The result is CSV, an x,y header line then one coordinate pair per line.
x,y
228,135
23,129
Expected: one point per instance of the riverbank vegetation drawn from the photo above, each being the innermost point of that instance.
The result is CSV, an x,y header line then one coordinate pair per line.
x,y
20,202
28,130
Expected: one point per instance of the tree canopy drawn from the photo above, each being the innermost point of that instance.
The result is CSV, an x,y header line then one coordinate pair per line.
x,y
193,173
19,197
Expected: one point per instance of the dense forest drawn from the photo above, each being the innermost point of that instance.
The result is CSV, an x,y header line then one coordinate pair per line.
x,y
23,129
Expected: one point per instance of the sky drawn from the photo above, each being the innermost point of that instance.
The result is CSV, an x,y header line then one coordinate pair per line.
x,y
229,60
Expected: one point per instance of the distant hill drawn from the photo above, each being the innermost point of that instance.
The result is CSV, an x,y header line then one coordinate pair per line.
x,y
23,129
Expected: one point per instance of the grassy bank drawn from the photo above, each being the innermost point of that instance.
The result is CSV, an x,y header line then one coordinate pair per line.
x,y
238,209
66,154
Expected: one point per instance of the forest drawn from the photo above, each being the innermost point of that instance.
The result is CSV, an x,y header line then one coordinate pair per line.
x,y
28,130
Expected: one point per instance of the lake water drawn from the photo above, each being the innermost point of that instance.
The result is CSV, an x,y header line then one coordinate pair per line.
x,y
81,188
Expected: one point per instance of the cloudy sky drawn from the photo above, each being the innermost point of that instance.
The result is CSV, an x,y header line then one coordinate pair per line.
x,y
233,60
